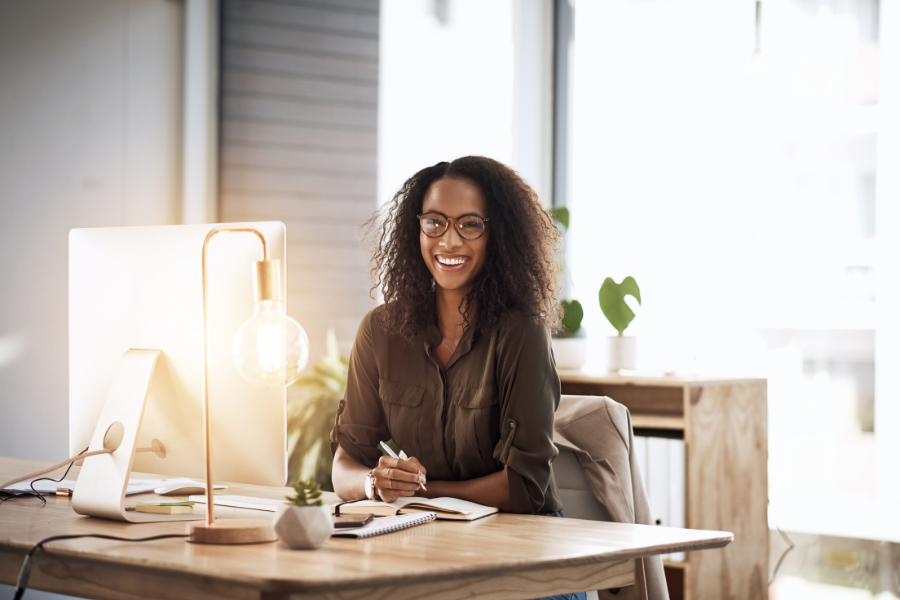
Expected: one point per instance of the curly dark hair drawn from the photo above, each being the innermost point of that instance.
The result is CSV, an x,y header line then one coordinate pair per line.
x,y
521,262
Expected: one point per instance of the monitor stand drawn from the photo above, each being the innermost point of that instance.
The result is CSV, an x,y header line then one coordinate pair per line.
x,y
103,480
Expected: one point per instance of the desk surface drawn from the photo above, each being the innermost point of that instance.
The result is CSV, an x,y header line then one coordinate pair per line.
x,y
504,556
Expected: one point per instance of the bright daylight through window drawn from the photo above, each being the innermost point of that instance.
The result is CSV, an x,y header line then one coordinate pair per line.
x,y
745,190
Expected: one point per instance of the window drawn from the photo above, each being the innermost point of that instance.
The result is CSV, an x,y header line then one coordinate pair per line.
x,y
446,85
744,191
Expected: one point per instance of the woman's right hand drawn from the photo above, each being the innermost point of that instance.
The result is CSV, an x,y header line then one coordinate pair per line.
x,y
398,478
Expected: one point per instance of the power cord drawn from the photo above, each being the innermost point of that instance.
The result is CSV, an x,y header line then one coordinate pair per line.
x,y
34,492
69,468
22,582
784,554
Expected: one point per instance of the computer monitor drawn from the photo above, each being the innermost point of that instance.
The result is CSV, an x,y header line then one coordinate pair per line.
x,y
141,288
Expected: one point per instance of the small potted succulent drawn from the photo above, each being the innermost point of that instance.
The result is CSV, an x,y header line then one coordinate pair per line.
x,y
621,349
304,522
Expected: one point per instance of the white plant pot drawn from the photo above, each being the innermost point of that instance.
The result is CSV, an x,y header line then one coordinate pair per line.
x,y
621,352
303,527
570,352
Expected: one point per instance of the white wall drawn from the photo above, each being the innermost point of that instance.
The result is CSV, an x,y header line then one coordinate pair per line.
x,y
90,115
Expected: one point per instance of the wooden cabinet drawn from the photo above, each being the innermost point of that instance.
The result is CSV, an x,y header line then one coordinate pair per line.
x,y
726,450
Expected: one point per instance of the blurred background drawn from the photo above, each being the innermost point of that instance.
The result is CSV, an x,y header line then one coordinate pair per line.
x,y
739,159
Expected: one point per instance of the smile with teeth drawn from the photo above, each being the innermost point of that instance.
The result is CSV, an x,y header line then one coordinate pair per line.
x,y
452,261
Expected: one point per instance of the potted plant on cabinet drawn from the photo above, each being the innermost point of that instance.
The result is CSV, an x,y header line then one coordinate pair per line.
x,y
621,349
304,522
570,346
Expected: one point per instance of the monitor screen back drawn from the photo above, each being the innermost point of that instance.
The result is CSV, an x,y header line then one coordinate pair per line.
x,y
141,287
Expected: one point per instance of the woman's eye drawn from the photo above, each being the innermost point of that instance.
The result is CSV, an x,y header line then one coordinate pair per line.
x,y
471,224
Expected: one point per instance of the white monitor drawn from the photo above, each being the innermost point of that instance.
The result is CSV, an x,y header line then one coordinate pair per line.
x,y
141,288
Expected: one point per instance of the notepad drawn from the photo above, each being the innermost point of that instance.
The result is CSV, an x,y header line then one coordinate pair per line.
x,y
382,525
452,509
165,507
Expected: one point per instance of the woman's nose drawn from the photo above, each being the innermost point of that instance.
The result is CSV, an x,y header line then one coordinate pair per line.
x,y
452,239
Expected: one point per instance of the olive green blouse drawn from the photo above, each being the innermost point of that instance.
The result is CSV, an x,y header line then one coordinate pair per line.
x,y
491,405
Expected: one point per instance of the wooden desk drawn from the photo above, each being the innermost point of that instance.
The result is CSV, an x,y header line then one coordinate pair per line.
x,y
502,556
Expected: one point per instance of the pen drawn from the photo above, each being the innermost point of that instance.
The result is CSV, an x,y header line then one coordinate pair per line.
x,y
402,456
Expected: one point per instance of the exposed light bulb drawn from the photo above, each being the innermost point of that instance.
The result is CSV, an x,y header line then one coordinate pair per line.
x,y
270,349
270,341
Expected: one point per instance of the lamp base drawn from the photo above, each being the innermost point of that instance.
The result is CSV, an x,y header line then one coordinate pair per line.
x,y
232,531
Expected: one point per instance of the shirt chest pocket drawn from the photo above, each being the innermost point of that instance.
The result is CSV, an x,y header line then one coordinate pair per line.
x,y
477,420
403,409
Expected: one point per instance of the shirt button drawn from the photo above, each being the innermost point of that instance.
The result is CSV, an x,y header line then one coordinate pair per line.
x,y
512,425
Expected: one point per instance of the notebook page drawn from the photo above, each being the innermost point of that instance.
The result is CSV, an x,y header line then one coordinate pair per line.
x,y
452,505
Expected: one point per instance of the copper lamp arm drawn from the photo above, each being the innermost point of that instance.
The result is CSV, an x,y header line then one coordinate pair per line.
x,y
207,432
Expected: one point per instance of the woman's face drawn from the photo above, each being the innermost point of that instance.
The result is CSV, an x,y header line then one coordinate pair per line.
x,y
453,260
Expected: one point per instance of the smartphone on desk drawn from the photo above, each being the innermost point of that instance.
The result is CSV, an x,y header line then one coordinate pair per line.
x,y
353,520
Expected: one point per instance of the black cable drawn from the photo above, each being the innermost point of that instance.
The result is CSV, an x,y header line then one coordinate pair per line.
x,y
33,491
55,480
22,582
19,495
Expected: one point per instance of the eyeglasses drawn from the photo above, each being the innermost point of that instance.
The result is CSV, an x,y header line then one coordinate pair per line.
x,y
434,224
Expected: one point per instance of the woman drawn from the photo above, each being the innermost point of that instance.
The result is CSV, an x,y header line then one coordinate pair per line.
x,y
456,366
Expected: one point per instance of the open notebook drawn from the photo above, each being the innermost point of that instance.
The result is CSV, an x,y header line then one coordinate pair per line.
x,y
452,509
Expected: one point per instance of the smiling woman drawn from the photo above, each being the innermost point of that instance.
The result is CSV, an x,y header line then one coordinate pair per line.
x,y
456,366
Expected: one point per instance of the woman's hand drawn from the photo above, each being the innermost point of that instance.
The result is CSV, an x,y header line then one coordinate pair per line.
x,y
398,478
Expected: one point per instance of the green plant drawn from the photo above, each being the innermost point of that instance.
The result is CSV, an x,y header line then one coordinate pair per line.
x,y
573,313
311,417
560,214
306,493
612,301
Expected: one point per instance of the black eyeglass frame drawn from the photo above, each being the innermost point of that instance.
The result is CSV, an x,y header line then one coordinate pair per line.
x,y
452,221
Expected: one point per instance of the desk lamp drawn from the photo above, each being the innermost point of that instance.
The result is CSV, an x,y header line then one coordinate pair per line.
x,y
270,349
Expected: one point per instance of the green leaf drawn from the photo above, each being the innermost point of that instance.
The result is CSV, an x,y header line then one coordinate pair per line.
x,y
311,417
573,313
612,302
560,214
308,493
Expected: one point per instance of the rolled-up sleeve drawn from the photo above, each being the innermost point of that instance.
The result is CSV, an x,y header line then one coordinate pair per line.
x,y
360,422
529,395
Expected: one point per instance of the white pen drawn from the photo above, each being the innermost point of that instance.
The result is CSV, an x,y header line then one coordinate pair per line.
x,y
402,456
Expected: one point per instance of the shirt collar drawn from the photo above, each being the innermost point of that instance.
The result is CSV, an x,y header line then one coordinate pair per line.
x,y
433,339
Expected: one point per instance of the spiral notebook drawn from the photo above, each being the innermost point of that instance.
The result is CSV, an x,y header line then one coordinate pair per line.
x,y
385,525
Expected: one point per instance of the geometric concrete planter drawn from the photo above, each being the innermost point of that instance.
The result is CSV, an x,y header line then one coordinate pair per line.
x,y
303,527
